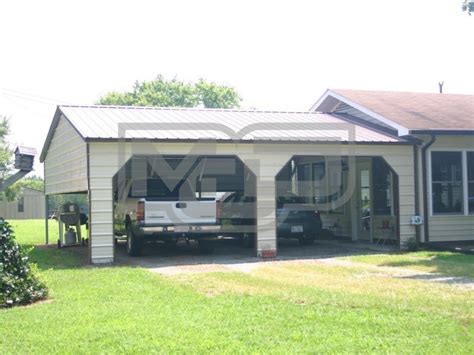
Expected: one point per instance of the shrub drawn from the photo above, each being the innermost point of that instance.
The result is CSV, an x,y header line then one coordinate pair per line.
x,y
18,283
412,244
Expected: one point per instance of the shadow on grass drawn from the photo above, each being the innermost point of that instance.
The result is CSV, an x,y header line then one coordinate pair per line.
x,y
448,264
50,257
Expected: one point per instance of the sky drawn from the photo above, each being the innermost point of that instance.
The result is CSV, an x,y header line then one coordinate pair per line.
x,y
279,55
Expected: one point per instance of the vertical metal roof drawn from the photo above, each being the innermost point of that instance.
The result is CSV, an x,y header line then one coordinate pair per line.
x,y
118,122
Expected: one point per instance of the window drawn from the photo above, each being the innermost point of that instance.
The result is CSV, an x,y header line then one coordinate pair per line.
x,y
21,205
382,182
470,181
319,186
328,177
446,178
304,181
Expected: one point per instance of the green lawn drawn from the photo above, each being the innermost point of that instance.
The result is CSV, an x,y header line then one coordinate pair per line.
x,y
444,263
276,309
32,231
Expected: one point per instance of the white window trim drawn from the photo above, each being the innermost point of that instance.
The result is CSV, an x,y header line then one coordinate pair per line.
x,y
465,211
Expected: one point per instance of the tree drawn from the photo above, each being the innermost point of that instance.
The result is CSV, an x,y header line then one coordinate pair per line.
x,y
5,151
18,282
174,93
33,182
55,201
468,5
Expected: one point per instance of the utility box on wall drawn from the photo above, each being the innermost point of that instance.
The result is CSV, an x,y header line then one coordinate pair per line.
x,y
417,220
24,158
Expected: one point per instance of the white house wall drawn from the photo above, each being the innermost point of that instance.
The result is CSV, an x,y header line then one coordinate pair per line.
x,y
265,160
65,165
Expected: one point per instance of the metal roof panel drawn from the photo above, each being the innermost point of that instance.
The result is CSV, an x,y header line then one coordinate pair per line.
x,y
109,122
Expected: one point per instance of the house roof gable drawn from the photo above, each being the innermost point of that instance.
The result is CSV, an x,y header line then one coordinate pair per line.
x,y
405,111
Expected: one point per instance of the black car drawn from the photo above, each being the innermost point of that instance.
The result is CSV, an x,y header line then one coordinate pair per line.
x,y
296,219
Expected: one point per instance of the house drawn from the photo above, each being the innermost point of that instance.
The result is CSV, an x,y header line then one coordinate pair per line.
x,y
328,158
441,127
29,204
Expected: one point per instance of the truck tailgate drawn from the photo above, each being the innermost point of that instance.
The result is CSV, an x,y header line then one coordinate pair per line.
x,y
180,212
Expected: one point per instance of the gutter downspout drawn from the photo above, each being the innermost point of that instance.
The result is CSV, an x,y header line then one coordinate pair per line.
x,y
425,185
417,190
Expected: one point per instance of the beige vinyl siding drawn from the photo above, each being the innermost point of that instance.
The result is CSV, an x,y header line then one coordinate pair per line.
x,y
65,165
445,228
451,228
453,142
264,159
33,206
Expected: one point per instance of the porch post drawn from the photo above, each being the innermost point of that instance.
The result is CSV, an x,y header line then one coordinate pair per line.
x,y
266,241
46,219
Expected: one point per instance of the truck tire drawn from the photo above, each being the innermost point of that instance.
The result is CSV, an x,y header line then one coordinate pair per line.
x,y
134,245
248,240
205,247
306,240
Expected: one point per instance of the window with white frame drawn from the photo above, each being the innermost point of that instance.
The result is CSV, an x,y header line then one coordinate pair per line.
x,y
447,182
470,181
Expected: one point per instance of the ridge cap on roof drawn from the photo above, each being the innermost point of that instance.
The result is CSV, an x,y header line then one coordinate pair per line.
x,y
340,91
199,109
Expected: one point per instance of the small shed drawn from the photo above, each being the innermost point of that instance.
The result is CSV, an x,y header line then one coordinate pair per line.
x,y
29,204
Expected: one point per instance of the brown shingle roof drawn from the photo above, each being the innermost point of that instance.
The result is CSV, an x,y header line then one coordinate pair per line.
x,y
418,111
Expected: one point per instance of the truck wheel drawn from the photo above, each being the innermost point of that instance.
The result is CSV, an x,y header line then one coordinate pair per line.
x,y
133,244
205,247
306,240
248,240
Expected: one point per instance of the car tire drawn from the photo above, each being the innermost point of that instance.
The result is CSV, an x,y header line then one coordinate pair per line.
x,y
248,240
306,241
205,247
134,245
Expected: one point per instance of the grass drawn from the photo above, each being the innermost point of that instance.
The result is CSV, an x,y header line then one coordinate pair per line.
x,y
32,231
278,308
444,263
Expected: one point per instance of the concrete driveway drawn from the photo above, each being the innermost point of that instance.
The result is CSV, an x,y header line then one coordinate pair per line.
x,y
230,256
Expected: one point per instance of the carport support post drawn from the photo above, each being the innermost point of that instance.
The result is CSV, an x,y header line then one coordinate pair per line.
x,y
46,218
101,226
266,241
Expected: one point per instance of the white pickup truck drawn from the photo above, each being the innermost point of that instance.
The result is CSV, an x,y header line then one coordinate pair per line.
x,y
147,213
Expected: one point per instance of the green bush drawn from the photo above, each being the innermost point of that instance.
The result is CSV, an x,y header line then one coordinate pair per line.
x,y
18,283
412,244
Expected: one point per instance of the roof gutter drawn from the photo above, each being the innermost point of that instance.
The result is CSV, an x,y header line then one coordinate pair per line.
x,y
399,141
450,132
425,185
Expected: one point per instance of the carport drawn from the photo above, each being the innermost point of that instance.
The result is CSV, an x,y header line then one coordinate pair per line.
x,y
87,146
